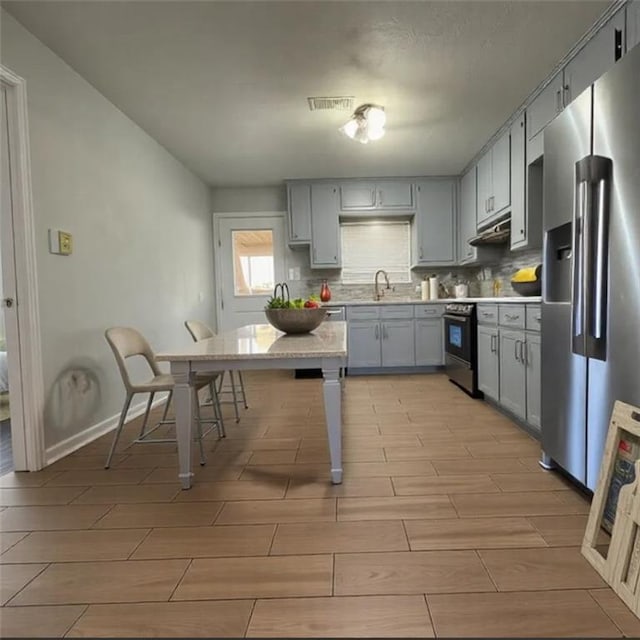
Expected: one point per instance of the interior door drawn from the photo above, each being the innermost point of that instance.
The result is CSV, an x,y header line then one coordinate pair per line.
x,y
10,368
250,260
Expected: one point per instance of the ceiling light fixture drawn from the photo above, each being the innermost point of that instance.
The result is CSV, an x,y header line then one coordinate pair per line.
x,y
366,123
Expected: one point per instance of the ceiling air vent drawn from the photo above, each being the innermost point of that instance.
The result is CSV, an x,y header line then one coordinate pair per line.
x,y
340,103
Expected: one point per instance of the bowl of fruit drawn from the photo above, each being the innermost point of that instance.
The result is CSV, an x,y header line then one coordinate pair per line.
x,y
293,316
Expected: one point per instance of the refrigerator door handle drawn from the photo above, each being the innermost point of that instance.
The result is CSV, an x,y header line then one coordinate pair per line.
x,y
595,173
577,314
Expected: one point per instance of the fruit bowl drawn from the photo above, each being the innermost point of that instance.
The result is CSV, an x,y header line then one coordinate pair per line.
x,y
295,320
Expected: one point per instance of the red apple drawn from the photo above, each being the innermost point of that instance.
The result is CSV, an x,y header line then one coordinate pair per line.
x,y
311,304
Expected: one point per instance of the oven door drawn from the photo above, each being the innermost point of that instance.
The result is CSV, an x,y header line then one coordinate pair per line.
x,y
457,336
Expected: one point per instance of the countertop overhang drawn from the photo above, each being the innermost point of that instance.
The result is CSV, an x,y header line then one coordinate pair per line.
x,y
384,301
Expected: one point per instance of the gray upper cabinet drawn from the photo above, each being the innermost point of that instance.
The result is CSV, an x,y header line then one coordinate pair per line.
x,y
325,227
501,174
488,363
467,222
434,223
595,58
299,213
534,380
633,24
513,391
494,181
394,195
484,188
519,235
358,195
381,194
429,342
545,107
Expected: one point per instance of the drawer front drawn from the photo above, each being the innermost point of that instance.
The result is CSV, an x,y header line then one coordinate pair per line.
x,y
512,315
488,314
363,313
396,312
429,310
534,317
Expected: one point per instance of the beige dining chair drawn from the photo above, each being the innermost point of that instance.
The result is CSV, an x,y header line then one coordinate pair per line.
x,y
200,331
125,343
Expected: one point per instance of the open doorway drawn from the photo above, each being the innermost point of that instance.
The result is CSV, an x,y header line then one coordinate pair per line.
x,y
21,386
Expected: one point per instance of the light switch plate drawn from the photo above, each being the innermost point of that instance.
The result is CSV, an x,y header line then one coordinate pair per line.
x,y
60,242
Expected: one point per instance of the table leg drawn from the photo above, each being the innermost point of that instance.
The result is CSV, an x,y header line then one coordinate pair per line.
x,y
331,389
183,403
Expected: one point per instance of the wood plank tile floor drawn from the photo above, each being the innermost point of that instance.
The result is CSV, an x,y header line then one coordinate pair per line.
x,y
444,526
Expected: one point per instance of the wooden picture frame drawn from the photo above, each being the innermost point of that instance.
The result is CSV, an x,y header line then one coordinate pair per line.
x,y
616,507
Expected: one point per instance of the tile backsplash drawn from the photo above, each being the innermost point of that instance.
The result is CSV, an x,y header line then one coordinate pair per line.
x,y
502,270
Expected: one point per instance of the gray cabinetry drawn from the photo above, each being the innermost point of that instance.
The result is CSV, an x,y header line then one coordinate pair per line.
x,y
397,344
494,181
545,107
325,227
434,238
633,24
534,379
488,364
299,213
467,218
380,194
513,390
364,344
595,58
429,342
519,235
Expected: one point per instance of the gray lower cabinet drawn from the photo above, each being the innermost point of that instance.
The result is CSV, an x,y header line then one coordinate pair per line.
x,y
364,344
488,363
429,342
513,389
398,343
534,379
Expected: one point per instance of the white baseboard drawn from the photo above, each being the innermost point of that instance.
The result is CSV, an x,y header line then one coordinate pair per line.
x,y
79,440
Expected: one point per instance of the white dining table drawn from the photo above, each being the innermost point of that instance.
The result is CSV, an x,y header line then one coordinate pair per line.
x,y
260,346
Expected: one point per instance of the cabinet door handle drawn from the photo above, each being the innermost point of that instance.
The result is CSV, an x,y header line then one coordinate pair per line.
x,y
377,332
515,350
380,198
523,353
385,332
493,349
558,101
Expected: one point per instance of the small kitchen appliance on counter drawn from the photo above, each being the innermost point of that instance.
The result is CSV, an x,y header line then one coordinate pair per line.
x,y
460,347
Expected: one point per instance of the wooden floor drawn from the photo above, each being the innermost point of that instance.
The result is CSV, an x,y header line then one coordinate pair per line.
x,y
444,526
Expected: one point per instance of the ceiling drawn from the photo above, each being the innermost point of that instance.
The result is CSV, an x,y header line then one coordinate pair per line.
x,y
223,85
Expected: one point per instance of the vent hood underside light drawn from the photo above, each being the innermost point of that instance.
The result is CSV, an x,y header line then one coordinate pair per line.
x,y
497,234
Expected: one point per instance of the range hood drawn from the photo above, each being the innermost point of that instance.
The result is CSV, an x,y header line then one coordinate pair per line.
x,y
497,234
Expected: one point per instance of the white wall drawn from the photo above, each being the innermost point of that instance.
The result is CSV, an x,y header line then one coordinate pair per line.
x,y
248,199
141,228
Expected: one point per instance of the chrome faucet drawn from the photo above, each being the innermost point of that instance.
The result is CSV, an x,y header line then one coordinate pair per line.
x,y
377,294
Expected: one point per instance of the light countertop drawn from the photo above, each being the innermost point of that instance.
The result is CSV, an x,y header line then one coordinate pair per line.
x,y
502,300
264,342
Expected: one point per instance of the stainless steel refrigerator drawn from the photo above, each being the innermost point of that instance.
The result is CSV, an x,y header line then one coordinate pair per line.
x,y
591,278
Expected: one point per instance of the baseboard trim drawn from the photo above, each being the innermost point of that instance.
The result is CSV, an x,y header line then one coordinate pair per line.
x,y
79,440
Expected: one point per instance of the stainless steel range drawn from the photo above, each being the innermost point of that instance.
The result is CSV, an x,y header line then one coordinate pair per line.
x,y
460,358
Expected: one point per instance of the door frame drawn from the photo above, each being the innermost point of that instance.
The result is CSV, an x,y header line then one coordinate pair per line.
x,y
28,455
217,217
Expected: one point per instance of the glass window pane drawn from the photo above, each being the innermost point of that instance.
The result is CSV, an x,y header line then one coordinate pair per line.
x,y
253,265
